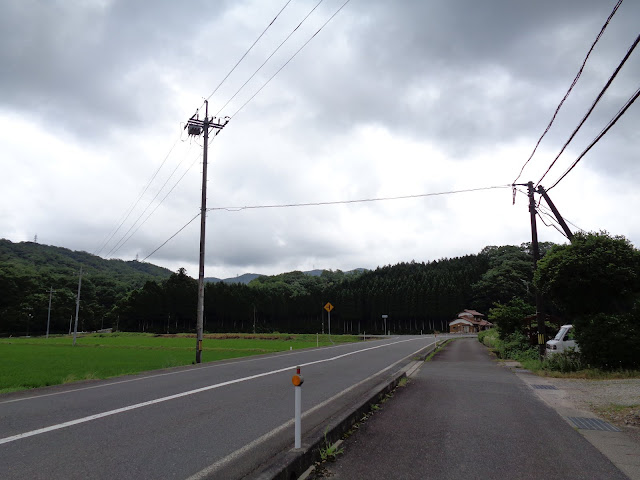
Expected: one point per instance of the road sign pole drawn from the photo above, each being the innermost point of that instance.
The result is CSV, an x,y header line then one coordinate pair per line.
x,y
329,322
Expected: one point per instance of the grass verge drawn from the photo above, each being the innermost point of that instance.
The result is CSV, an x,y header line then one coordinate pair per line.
x,y
38,361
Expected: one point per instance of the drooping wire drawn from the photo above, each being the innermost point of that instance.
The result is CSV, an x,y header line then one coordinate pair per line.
x,y
602,133
160,203
268,58
364,200
584,119
552,224
290,59
327,203
135,203
573,83
124,239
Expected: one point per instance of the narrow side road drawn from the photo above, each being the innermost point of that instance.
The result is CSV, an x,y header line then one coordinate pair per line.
x,y
464,416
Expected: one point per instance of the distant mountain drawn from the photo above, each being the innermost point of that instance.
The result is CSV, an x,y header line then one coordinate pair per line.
x,y
40,258
247,277
244,278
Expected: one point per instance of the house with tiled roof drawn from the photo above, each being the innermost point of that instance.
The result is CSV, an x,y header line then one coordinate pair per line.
x,y
469,321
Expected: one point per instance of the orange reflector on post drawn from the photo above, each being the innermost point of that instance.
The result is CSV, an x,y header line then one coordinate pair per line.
x,y
297,380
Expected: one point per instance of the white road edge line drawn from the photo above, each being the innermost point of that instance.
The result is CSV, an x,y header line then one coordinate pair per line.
x,y
146,377
182,394
204,473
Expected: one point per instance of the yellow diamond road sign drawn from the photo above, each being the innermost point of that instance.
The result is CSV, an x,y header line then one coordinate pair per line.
x,y
328,307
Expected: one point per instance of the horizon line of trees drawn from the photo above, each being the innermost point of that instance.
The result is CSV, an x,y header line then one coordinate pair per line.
x,y
416,296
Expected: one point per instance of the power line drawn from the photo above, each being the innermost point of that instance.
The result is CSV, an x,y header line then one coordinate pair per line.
x,y
547,212
160,203
575,80
248,50
584,119
552,224
327,203
124,239
269,57
611,123
291,58
172,236
364,200
135,204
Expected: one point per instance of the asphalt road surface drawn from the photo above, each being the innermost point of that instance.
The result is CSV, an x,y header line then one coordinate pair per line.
x,y
216,420
465,417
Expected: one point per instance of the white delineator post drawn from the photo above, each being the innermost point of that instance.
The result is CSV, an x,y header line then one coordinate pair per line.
x,y
297,381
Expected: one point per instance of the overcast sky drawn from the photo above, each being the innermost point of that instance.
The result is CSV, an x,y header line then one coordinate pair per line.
x,y
391,98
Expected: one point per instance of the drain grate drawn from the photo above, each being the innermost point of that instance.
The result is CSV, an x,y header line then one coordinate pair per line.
x,y
587,423
544,387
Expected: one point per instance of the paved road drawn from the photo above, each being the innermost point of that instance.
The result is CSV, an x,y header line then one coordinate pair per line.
x,y
464,417
223,418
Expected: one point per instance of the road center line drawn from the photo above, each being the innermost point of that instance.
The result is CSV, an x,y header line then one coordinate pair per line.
x,y
184,394
213,468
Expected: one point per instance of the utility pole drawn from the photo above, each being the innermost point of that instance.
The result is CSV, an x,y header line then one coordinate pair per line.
x,y
536,257
75,328
195,127
49,311
561,221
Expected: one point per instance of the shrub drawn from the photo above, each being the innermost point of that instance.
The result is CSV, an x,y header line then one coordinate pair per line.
x,y
610,341
567,361
489,338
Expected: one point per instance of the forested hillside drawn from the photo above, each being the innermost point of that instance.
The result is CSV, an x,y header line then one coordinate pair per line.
x,y
135,296
29,270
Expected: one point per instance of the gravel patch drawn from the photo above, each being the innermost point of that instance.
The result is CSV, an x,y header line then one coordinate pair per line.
x,y
617,401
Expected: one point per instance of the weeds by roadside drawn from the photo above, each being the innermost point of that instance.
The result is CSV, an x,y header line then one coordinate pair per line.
x,y
329,450
560,365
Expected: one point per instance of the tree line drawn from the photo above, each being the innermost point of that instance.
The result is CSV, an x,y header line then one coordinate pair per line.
x,y
134,296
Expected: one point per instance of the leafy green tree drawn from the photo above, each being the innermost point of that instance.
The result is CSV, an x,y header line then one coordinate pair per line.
x,y
595,282
508,316
596,273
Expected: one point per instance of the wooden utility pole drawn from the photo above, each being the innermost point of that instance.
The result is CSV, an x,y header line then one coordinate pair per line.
x,y
536,256
195,128
49,311
75,328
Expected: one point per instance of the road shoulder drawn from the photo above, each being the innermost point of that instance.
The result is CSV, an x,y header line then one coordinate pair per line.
x,y
621,447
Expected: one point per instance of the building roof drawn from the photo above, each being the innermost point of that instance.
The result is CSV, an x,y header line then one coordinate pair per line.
x,y
475,313
463,321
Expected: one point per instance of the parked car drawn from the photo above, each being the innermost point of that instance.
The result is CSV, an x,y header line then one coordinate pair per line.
x,y
562,341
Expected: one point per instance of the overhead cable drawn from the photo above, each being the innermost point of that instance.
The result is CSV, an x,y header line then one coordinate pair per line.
x,y
573,83
584,119
326,203
135,203
364,200
290,58
124,239
172,236
249,49
268,58
611,123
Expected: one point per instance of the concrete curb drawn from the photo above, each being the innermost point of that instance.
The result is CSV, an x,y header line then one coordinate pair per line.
x,y
291,464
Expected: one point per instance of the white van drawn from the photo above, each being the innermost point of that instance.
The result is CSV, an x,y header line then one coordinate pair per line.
x,y
562,341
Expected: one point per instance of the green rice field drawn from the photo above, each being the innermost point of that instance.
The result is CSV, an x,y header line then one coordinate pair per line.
x,y
38,361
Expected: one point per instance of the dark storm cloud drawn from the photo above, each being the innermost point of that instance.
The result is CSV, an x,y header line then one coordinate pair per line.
x,y
464,74
85,66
